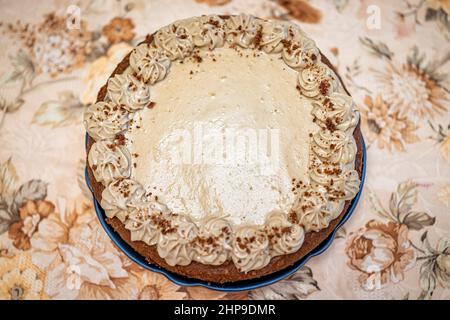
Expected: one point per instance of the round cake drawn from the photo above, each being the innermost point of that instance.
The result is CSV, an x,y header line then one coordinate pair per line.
x,y
224,148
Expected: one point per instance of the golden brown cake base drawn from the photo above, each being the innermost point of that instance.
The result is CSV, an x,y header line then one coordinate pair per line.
x,y
226,272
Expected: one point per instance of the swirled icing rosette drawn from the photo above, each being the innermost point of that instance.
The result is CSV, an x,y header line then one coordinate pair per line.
x,y
175,41
313,210
336,112
118,197
242,30
128,91
109,161
104,120
336,146
208,32
316,80
149,64
285,236
300,52
342,184
274,36
142,224
213,243
346,186
175,242
250,248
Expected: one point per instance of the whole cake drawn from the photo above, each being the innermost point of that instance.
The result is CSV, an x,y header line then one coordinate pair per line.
x,y
224,148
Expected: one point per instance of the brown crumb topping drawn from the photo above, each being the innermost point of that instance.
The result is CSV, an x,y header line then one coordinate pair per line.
x,y
324,86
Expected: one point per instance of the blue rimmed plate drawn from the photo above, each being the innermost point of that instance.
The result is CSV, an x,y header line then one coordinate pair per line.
x,y
233,286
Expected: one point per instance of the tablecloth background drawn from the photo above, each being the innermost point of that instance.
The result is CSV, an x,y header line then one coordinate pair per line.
x,y
395,246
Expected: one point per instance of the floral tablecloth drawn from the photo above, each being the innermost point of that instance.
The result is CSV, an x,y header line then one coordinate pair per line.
x,y
392,55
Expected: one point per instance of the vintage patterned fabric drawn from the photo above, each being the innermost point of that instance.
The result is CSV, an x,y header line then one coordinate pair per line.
x,y
395,246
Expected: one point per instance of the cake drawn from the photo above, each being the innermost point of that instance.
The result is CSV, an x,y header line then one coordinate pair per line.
x,y
224,148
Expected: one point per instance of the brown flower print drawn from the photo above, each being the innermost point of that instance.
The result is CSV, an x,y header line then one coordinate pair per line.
x,y
53,47
301,10
439,4
31,214
214,3
20,279
443,264
410,90
152,286
435,267
442,137
118,30
381,252
444,194
388,129
445,148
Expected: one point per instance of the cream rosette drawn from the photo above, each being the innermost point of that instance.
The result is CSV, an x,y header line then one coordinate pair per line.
x,y
126,90
313,210
316,80
250,248
120,196
287,237
242,29
342,184
109,162
300,52
336,146
175,41
149,64
175,247
143,220
274,36
141,223
208,31
213,241
339,111
104,120
346,185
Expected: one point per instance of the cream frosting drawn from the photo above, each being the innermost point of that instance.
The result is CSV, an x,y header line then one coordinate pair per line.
x,y
109,162
175,41
341,112
176,247
287,236
104,120
300,52
235,102
274,35
149,64
244,73
207,31
336,146
242,30
214,241
127,91
142,227
120,196
316,80
250,248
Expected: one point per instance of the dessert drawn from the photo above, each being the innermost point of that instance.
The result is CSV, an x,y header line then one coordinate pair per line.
x,y
224,148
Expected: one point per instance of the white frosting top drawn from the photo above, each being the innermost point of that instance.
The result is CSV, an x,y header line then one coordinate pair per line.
x,y
245,143
194,110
